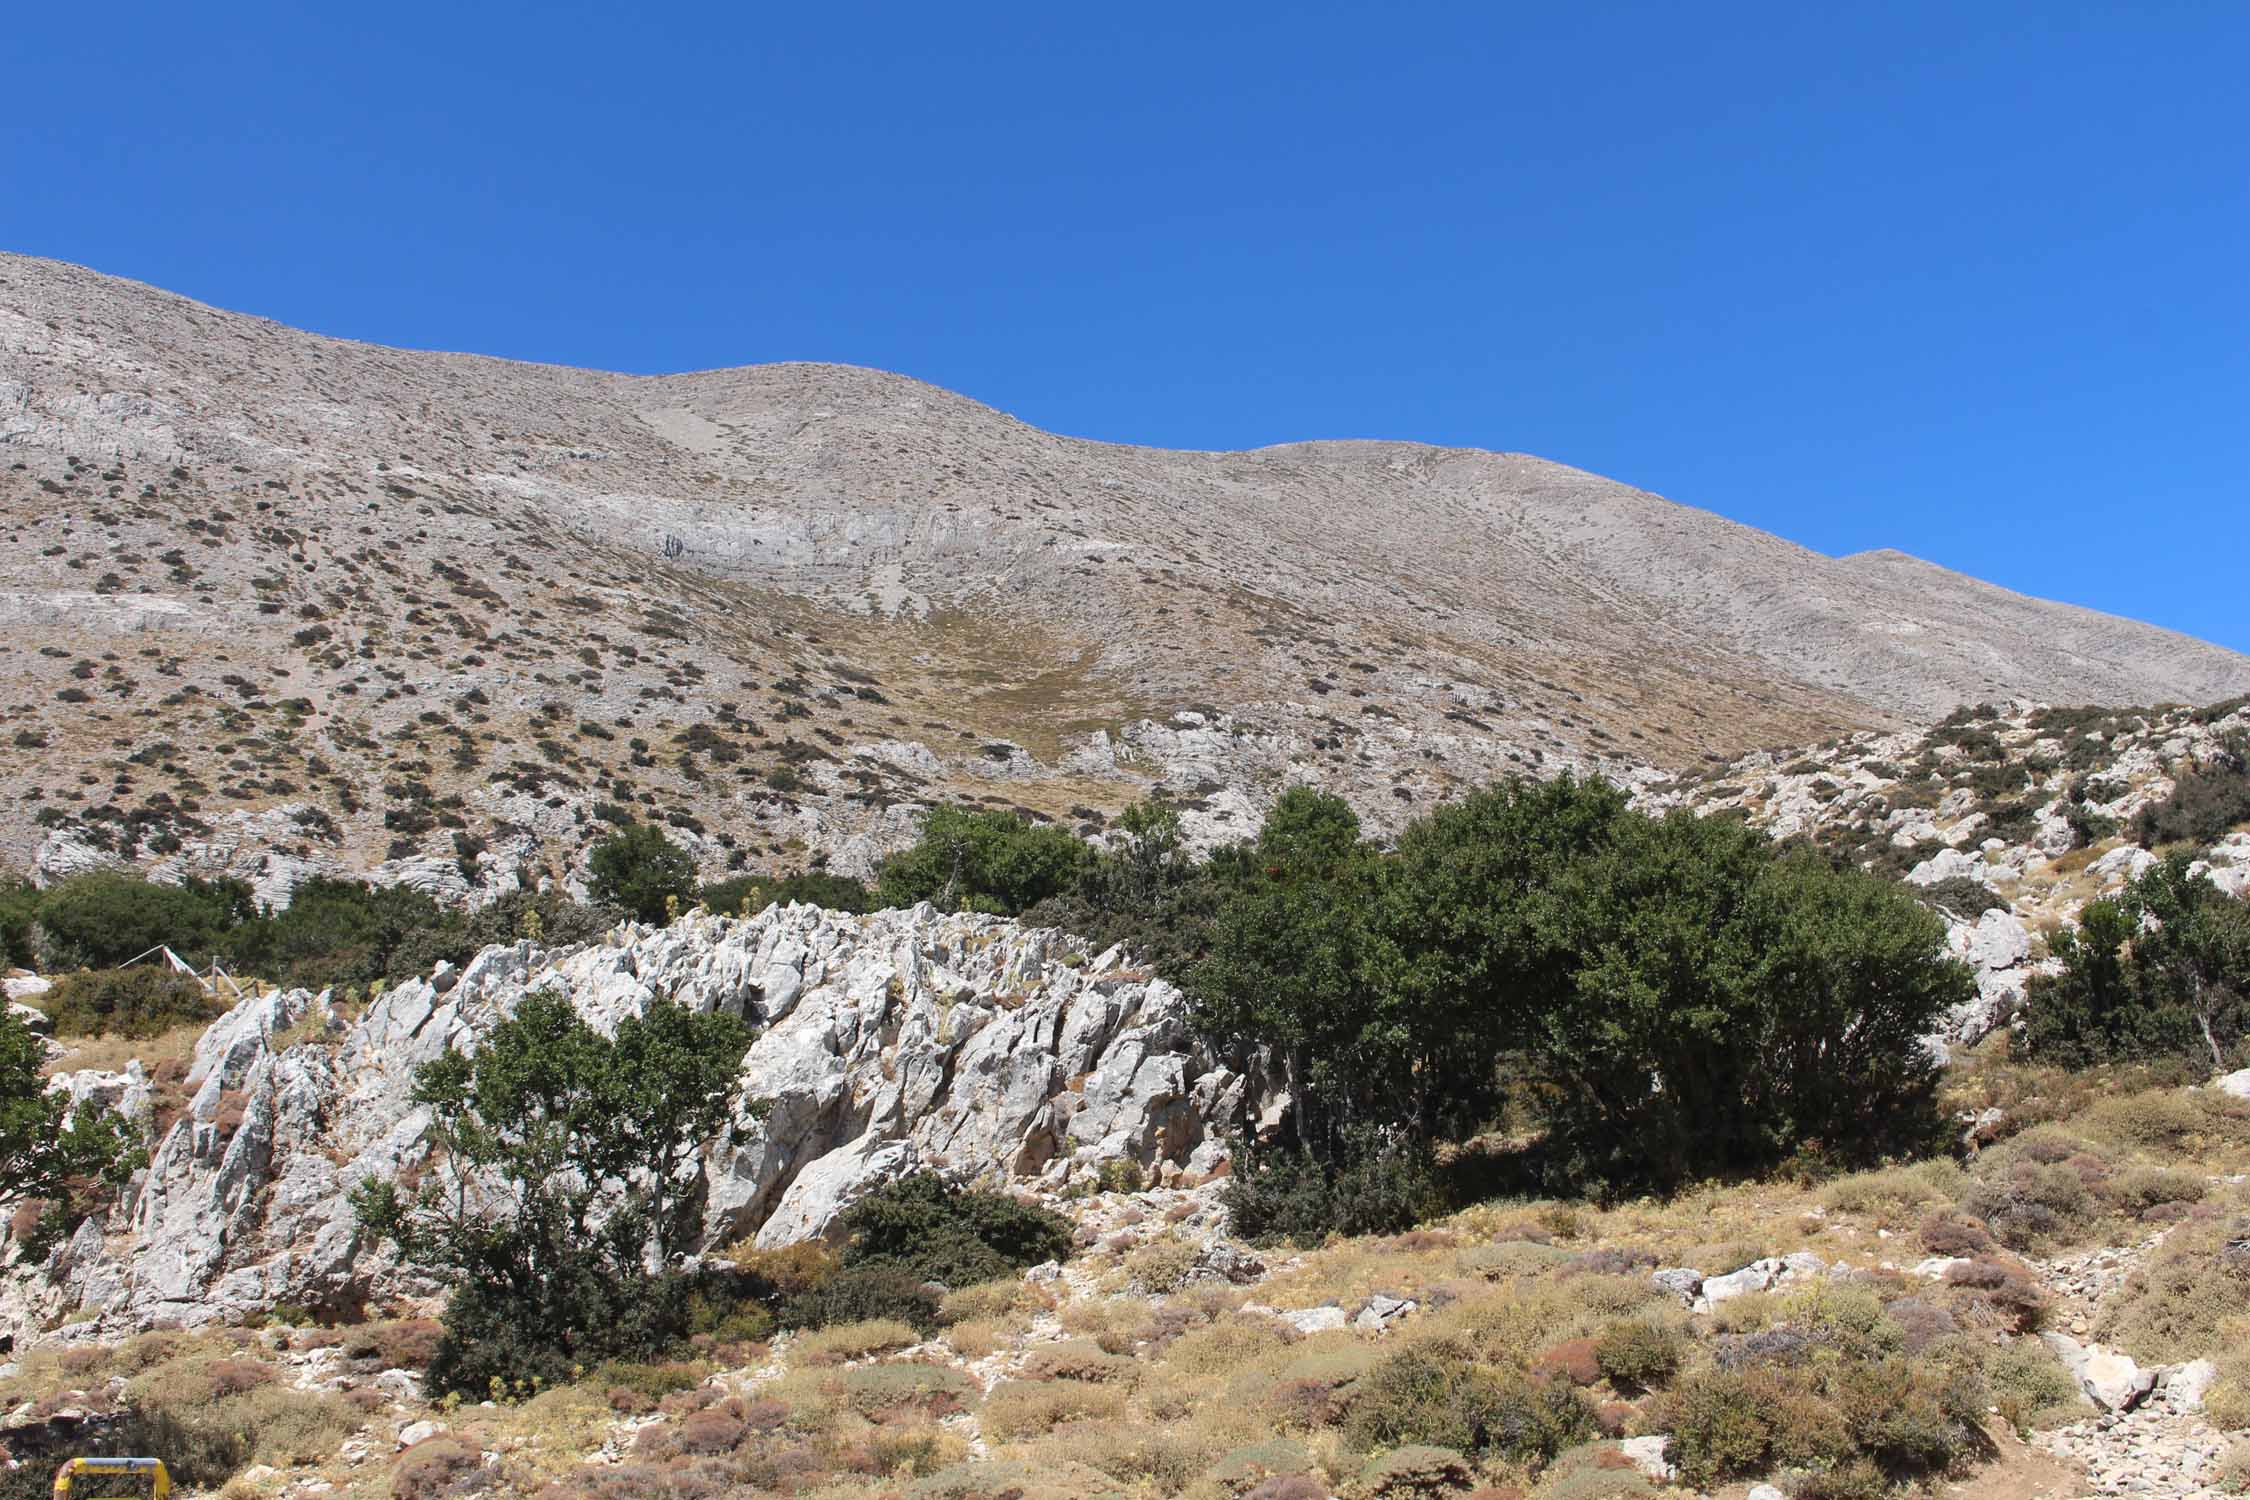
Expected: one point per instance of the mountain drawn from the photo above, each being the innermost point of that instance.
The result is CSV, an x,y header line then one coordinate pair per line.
x,y
274,601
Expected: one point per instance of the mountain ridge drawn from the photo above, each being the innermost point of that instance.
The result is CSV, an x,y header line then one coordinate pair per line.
x,y
789,603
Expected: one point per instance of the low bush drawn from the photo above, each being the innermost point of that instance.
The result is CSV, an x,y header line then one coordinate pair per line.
x,y
1639,1354
924,1227
840,1342
1593,1471
1378,1187
860,1295
1436,1395
1418,1469
143,1001
747,895
2206,801
1161,1266
211,1415
1018,1409
1889,1193
433,1467
2030,1389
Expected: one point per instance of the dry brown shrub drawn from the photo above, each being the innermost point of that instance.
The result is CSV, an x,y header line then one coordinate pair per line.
x,y
788,1271
430,1468
1947,1233
1030,1408
711,1432
1078,1359
1572,1360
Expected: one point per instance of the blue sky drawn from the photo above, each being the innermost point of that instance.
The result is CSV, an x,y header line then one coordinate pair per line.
x,y
1968,280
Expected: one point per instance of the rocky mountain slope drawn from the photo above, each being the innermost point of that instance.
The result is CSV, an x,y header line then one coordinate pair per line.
x,y
273,601
2009,817
887,1044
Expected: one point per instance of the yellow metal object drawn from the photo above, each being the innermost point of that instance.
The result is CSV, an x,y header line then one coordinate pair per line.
x,y
160,1483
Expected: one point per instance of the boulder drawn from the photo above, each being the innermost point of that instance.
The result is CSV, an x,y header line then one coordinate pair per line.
x,y
2235,1084
2112,1381
1647,1455
1316,1319
1381,1312
2186,1385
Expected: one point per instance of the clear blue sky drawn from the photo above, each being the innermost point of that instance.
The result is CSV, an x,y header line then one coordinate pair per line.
x,y
1968,280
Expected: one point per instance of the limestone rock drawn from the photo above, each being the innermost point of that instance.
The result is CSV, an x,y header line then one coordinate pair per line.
x,y
2112,1381
888,1043
1316,1319
1381,1312
1647,1454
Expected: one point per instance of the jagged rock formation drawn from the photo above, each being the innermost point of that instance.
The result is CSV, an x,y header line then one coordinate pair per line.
x,y
902,1040
298,603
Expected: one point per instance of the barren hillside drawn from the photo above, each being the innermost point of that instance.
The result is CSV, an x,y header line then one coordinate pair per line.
x,y
272,598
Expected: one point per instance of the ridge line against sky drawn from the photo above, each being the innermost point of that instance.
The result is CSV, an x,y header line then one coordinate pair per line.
x,y
1962,283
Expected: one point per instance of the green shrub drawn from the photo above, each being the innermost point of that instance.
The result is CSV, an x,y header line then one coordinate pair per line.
x,y
969,860
1728,1424
2206,801
2162,970
209,1416
1593,1471
860,1294
928,1229
1376,1186
2174,1306
2028,1204
1675,997
142,1001
1418,1469
1431,1394
1639,1353
19,910
333,932
640,871
2031,1389
747,895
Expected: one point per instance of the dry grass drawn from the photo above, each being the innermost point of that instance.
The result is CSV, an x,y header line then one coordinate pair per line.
x,y
849,1341
110,1054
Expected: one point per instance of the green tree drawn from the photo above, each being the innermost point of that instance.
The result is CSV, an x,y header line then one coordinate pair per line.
x,y
747,895
104,918
333,932
564,1184
19,910
70,1160
1729,1007
1146,892
1672,997
969,860
642,872
1287,970
2161,970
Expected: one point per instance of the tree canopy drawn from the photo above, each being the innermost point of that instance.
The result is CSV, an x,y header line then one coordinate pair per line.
x,y
2161,970
563,1185
1673,996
